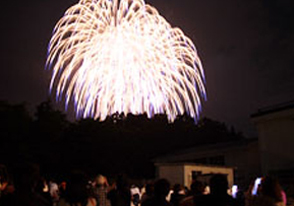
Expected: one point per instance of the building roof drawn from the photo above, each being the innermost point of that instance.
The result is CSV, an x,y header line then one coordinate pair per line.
x,y
192,164
205,148
274,108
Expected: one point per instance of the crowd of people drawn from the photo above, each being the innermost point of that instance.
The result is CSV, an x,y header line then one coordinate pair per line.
x,y
27,188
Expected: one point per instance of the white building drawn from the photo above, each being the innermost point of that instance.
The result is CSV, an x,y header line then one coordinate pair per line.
x,y
241,156
275,127
272,153
182,173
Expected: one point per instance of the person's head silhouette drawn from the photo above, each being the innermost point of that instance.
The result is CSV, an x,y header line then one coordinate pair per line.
x,y
218,184
161,188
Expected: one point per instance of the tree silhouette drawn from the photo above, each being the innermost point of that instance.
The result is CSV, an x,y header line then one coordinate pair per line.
x,y
14,132
120,143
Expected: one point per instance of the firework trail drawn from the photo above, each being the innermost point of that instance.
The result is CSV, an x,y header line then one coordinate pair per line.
x,y
122,56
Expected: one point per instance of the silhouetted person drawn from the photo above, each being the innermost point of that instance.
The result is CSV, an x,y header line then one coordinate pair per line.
x,y
101,189
161,190
77,192
177,195
41,184
197,189
218,193
120,195
290,193
26,177
135,192
240,198
62,189
270,194
149,192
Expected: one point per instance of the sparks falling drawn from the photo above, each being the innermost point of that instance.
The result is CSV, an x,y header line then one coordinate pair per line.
x,y
109,56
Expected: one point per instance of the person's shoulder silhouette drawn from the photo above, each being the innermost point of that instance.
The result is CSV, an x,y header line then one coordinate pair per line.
x,y
218,193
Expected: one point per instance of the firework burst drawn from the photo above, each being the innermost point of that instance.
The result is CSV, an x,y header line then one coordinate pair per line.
x,y
122,56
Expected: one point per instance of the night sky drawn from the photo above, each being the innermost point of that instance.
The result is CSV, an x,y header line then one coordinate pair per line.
x,y
246,48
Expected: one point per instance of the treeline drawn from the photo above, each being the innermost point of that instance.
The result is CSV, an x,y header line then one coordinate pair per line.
x,y
118,144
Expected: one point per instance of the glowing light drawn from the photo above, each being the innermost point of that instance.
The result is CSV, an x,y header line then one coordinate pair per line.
x,y
109,56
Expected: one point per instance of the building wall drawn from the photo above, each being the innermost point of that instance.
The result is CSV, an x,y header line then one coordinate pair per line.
x,y
276,140
246,161
188,169
242,156
173,173
181,173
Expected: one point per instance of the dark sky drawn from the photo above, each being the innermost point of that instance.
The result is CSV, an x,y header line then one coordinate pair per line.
x,y
246,47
